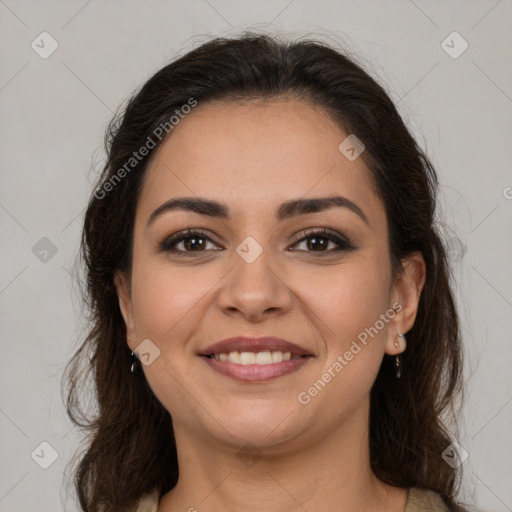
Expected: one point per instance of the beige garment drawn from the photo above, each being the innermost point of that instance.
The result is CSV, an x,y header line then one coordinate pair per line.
x,y
420,500
149,503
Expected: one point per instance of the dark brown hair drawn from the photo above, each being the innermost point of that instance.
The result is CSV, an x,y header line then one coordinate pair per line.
x,y
130,444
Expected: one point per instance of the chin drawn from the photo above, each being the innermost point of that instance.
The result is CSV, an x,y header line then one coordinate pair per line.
x,y
259,422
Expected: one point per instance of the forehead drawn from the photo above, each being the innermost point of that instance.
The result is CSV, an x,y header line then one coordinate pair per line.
x,y
254,155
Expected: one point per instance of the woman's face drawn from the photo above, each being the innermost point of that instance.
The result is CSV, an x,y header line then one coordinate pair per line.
x,y
253,273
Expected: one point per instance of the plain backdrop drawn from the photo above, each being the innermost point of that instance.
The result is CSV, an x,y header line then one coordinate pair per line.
x,y
457,100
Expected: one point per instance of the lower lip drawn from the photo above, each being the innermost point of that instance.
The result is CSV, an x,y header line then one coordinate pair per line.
x,y
255,372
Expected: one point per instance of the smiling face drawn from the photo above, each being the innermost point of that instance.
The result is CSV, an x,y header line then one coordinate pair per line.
x,y
258,269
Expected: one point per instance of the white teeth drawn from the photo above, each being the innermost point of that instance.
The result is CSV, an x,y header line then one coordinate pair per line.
x,y
234,357
277,357
247,358
265,357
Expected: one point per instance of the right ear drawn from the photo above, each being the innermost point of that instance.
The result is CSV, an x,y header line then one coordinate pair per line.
x,y
125,305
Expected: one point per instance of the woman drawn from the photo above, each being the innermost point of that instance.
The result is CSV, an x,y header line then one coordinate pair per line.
x,y
273,326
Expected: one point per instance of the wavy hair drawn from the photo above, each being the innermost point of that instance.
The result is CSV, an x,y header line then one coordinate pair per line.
x,y
130,449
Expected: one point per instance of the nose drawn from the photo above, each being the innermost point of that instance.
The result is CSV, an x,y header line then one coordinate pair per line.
x,y
255,288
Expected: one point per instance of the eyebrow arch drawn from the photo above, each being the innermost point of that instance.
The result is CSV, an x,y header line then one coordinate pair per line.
x,y
288,209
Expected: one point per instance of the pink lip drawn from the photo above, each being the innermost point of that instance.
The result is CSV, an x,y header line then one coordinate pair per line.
x,y
255,372
246,344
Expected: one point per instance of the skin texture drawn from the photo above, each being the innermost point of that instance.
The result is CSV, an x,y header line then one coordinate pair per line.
x,y
253,156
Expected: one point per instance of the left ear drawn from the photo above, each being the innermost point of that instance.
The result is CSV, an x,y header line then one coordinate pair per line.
x,y
408,287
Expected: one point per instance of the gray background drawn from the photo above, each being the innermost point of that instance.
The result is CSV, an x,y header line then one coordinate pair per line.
x,y
53,115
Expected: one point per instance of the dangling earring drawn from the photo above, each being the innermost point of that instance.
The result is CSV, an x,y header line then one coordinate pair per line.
x,y
132,362
398,368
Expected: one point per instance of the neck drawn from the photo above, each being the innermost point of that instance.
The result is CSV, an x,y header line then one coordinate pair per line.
x,y
323,475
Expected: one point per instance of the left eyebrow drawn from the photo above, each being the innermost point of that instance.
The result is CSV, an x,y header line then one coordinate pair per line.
x,y
288,209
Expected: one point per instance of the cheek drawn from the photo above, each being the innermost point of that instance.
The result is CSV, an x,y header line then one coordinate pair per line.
x,y
362,321
167,299
351,306
350,297
349,303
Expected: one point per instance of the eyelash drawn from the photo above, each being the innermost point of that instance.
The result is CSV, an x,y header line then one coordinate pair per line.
x,y
168,245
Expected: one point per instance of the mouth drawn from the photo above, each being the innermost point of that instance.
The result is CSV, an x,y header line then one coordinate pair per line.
x,y
247,345
261,358
245,370
255,360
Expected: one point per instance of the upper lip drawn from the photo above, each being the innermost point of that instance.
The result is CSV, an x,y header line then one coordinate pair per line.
x,y
248,344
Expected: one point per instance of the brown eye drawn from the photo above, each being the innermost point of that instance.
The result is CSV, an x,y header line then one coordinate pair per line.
x,y
319,240
194,241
